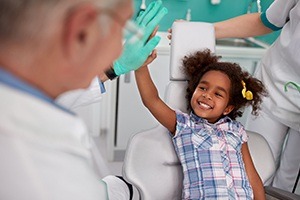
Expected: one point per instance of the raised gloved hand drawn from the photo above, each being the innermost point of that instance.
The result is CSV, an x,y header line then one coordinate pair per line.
x,y
134,54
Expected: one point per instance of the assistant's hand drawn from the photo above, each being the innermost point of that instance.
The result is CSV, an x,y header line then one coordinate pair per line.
x,y
170,29
135,54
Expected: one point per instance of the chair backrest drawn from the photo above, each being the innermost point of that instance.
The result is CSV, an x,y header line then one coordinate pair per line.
x,y
152,166
151,163
188,37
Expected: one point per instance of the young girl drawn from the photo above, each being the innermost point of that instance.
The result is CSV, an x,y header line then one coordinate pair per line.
x,y
210,144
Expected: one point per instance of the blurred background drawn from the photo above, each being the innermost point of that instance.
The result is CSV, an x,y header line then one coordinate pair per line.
x,y
210,11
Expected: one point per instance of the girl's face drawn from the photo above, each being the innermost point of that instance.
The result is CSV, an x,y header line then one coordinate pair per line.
x,y
210,98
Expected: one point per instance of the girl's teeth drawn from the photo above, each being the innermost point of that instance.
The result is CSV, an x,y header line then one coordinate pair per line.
x,y
205,105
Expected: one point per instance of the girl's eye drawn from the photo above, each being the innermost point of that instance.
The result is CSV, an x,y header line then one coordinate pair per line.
x,y
202,88
219,95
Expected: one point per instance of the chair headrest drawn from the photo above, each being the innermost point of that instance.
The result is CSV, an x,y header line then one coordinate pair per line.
x,y
189,37
175,95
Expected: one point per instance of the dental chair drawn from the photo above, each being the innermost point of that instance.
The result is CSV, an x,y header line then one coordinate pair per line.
x,y
151,164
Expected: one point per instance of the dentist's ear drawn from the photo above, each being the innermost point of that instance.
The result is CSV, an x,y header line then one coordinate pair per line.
x,y
78,33
228,109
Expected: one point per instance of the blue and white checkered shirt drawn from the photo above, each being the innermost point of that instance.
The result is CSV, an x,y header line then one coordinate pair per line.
x,y
211,158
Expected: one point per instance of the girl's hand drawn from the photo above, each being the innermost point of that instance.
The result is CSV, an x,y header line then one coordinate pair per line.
x,y
150,58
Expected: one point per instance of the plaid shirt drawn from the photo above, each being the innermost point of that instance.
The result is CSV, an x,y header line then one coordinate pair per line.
x,y
211,158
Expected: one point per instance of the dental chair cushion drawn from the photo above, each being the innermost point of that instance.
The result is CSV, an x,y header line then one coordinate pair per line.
x,y
151,163
189,37
152,166
175,95
262,156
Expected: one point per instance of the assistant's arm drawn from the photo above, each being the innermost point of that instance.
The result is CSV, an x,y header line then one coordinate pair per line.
x,y
247,25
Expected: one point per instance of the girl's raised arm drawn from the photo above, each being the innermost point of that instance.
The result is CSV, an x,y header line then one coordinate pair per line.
x,y
150,98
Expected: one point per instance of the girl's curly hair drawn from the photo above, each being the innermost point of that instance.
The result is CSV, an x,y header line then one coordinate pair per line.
x,y
200,62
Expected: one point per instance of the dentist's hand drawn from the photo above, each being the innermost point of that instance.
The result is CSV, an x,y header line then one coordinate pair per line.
x,y
135,54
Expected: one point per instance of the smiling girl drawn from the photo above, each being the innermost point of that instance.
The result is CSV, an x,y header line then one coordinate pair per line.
x,y
210,144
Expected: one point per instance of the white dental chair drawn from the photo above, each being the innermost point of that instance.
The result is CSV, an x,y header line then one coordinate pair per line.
x,y
151,164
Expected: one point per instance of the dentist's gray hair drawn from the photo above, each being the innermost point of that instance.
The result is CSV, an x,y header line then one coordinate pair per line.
x,y
22,20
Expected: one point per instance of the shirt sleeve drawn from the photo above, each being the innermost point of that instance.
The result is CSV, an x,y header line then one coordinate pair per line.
x,y
181,121
243,135
102,87
277,14
81,97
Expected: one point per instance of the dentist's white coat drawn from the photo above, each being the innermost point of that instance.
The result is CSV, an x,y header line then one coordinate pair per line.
x,y
81,97
38,149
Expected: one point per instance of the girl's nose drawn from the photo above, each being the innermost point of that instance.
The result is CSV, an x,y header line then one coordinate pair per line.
x,y
207,96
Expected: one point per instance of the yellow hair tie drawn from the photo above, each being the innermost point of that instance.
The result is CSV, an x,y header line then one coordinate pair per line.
x,y
246,94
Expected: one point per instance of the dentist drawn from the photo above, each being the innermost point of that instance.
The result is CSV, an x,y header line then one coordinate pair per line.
x,y
50,47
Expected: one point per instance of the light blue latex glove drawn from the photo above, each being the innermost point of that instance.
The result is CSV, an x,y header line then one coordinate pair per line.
x,y
135,54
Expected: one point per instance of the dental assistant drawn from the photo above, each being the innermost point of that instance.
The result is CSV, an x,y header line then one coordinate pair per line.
x,y
50,47
280,118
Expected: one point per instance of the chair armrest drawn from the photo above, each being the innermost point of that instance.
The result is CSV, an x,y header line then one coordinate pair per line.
x,y
273,193
262,156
